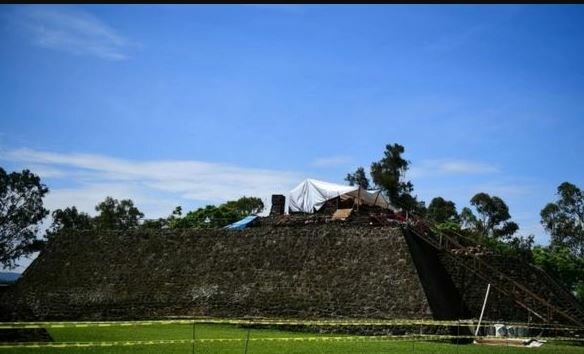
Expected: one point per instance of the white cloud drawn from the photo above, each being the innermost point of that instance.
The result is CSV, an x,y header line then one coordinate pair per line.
x,y
72,30
156,187
331,161
46,171
86,196
443,167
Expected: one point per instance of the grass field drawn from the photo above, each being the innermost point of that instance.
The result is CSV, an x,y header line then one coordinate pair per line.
x,y
162,332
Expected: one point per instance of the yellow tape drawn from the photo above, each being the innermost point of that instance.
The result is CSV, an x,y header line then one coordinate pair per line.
x,y
258,339
221,340
275,322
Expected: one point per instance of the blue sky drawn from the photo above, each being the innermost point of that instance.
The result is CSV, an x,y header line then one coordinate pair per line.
x,y
188,105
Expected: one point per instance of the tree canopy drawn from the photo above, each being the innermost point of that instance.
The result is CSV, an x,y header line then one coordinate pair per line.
x,y
246,205
563,265
117,215
69,219
358,178
441,211
123,215
389,175
389,172
493,219
564,219
113,215
21,209
212,216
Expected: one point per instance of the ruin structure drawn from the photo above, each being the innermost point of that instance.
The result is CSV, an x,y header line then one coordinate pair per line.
x,y
284,270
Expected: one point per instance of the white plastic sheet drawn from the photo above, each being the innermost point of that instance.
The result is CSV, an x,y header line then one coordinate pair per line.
x,y
310,195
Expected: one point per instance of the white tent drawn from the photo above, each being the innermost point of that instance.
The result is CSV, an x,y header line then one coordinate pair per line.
x,y
310,195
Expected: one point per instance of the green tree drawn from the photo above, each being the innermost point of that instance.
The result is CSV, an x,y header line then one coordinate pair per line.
x,y
246,205
442,211
208,217
117,215
157,224
175,217
563,265
493,220
69,219
212,216
176,213
564,219
389,175
493,228
468,220
21,209
358,178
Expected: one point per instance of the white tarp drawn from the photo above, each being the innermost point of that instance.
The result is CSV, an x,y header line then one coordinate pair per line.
x,y
310,195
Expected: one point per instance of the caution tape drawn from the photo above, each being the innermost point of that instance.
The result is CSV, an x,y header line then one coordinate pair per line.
x,y
226,340
562,339
262,339
5,325
417,337
274,322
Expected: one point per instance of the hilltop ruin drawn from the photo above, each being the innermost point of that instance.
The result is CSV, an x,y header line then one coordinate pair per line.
x,y
284,266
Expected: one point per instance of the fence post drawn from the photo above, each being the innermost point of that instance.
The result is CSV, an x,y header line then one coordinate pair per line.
x,y
458,336
247,340
193,351
483,309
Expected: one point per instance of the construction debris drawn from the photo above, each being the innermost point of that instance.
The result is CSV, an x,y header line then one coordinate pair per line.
x,y
510,342
341,214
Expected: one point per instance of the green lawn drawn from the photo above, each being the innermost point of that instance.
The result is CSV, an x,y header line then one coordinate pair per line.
x,y
163,332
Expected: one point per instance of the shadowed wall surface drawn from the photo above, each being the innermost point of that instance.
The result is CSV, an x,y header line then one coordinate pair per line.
x,y
310,271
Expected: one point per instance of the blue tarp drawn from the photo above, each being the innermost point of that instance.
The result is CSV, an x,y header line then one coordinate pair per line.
x,y
241,224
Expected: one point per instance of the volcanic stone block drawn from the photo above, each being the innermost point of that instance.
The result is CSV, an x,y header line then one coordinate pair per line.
x,y
278,204
313,271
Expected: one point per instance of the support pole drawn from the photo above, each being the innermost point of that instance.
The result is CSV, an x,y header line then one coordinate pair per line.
x,y
247,340
483,309
376,197
193,351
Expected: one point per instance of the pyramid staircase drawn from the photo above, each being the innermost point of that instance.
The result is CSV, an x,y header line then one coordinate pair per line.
x,y
548,301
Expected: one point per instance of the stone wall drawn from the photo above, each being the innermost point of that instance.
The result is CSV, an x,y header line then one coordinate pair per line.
x,y
278,205
301,272
472,290
442,293
501,306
